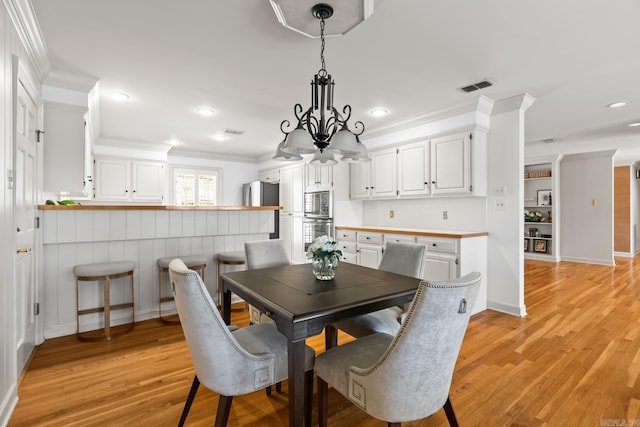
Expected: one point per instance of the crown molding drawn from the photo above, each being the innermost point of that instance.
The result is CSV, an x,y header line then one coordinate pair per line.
x,y
176,152
519,102
482,105
67,80
24,20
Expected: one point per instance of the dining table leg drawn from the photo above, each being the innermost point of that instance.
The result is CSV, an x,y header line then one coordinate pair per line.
x,y
296,356
226,306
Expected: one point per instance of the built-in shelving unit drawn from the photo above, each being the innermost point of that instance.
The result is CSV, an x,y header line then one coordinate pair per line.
x,y
540,240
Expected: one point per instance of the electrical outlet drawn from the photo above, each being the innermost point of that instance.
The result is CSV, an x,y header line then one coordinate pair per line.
x,y
445,214
501,190
498,204
392,214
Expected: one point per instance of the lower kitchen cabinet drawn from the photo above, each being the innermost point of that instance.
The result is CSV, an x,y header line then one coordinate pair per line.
x,y
446,258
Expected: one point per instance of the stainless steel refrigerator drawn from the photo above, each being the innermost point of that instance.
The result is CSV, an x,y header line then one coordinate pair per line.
x,y
258,193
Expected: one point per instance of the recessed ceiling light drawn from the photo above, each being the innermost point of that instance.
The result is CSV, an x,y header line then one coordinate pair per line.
x,y
550,140
174,142
634,124
617,104
220,137
379,112
120,96
206,111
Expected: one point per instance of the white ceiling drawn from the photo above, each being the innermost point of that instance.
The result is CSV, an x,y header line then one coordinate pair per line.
x,y
410,56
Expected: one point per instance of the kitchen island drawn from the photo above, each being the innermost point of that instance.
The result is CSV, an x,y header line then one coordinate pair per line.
x,y
82,234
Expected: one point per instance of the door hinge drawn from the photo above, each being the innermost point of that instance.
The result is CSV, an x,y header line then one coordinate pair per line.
x,y
471,188
36,308
38,133
471,136
456,261
36,222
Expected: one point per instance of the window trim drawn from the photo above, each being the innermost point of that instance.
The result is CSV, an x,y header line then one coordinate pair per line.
x,y
198,171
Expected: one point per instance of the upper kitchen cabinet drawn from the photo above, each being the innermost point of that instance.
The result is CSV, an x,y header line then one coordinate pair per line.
x,y
451,164
375,179
64,149
431,168
413,169
129,180
318,177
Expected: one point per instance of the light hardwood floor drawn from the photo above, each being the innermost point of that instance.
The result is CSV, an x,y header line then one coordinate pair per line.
x,y
574,360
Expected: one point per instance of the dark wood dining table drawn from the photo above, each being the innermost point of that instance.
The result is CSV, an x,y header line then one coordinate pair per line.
x,y
302,306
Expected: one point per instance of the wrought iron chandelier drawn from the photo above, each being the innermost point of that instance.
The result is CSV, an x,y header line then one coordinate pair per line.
x,y
321,129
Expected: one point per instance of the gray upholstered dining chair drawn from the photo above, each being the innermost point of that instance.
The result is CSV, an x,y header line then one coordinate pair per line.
x,y
264,254
404,377
401,258
228,363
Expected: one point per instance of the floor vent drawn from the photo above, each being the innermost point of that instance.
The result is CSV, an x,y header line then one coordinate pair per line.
x,y
477,86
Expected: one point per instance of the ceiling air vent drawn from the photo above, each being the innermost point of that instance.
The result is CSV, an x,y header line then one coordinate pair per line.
x,y
480,85
234,131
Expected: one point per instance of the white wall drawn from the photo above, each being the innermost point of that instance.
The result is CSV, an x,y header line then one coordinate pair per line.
x,y
587,228
10,45
635,210
505,183
464,213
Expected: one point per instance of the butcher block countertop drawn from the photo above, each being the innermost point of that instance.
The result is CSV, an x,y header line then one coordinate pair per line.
x,y
452,234
155,208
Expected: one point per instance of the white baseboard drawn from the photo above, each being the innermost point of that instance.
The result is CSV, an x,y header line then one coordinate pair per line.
x,y
8,405
64,329
624,254
507,309
611,263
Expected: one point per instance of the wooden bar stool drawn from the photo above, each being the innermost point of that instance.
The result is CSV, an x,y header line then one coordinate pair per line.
x,y
193,262
104,272
228,258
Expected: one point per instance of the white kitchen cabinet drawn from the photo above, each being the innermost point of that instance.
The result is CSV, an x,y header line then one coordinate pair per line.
x,y
128,180
370,249
436,167
451,165
291,216
414,169
384,174
375,179
271,175
369,255
64,148
441,258
360,180
318,177
347,244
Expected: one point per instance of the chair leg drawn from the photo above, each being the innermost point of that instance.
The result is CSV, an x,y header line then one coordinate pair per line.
x,y
187,404
224,407
279,387
323,401
451,416
393,424
308,397
330,337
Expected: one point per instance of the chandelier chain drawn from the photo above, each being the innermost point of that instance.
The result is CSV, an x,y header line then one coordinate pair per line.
x,y
323,69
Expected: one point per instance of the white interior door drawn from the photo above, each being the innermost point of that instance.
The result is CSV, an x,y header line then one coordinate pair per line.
x,y
26,169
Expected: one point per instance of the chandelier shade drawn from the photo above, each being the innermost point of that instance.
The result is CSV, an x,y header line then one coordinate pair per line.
x,y
322,128
324,158
284,156
361,156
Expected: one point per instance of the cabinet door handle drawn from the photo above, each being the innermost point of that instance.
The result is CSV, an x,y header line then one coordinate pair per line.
x,y
433,182
434,245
